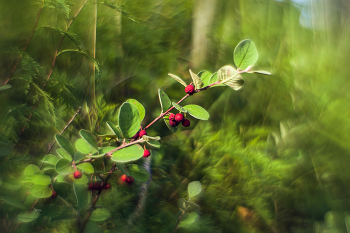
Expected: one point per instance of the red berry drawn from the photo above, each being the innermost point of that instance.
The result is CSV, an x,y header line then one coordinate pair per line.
x,y
124,177
91,186
172,116
54,195
173,123
146,153
136,136
107,186
77,174
142,132
95,186
186,122
189,89
179,117
130,180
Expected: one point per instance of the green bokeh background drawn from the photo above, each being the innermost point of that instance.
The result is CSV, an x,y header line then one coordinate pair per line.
x,y
279,148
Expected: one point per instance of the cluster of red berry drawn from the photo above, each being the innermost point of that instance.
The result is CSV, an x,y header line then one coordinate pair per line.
x,y
127,179
175,120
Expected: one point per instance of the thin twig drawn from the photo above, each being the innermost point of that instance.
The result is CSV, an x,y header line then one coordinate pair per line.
x,y
178,221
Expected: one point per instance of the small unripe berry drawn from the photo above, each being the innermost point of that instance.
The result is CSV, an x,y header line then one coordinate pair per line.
x,y
77,174
142,132
179,117
107,186
130,180
172,116
146,153
189,89
54,195
124,177
186,122
173,123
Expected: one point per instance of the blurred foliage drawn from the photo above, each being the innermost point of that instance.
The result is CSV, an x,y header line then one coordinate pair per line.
x,y
272,158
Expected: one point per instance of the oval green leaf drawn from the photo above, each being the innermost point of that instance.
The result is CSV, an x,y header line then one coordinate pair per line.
x,y
205,76
89,138
31,170
65,144
154,144
197,112
178,79
86,167
5,87
139,106
103,150
245,54
261,72
194,188
100,214
41,179
189,219
128,154
164,100
78,156
129,120
64,166
41,191
28,216
50,159
115,129
82,195
179,108
229,76
62,153
138,172
84,147
198,83
84,180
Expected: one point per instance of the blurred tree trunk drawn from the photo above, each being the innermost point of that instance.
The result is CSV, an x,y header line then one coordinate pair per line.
x,y
203,17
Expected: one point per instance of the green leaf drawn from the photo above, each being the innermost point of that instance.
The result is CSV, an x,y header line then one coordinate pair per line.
x,y
89,138
31,170
205,76
138,172
129,120
139,106
245,54
14,201
78,156
115,129
84,180
11,183
5,87
86,167
65,144
178,79
213,79
41,179
261,72
103,151
187,206
61,178
82,195
64,154
198,83
189,219
64,166
164,100
28,216
50,159
229,76
166,120
179,108
155,144
128,154
41,191
84,147
194,188
122,168
150,138
100,214
197,112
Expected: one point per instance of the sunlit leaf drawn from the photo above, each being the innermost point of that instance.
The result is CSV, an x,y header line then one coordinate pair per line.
x,y
64,154
205,76
164,100
89,138
128,154
179,108
28,216
64,166
82,146
194,188
155,144
178,79
86,167
198,83
50,159
139,106
115,129
129,120
41,191
41,179
83,180
189,219
31,170
229,76
197,111
65,144
245,54
261,72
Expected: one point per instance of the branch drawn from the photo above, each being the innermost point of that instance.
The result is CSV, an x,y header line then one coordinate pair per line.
x,y
178,221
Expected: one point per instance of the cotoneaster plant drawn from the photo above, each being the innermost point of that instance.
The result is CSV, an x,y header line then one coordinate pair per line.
x,y
126,143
